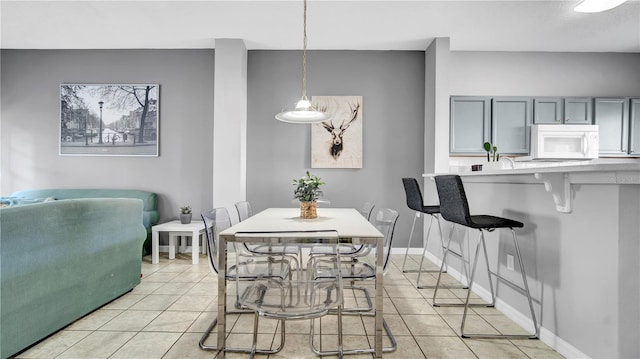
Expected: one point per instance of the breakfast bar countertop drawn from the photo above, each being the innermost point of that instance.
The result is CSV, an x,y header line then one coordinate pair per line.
x,y
558,177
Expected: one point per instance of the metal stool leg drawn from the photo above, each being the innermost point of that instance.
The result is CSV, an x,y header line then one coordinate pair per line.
x,y
406,254
447,250
473,274
443,268
526,285
522,290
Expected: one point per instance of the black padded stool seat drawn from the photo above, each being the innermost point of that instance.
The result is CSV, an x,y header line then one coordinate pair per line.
x,y
492,222
455,208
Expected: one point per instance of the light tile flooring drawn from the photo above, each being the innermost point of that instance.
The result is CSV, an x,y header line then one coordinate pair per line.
x,y
165,316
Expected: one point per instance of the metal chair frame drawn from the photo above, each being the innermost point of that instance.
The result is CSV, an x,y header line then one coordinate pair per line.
x,y
212,229
244,211
385,221
312,307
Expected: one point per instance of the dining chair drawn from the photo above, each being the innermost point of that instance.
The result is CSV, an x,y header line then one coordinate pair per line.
x,y
454,208
367,209
346,249
293,252
361,268
266,296
246,268
244,210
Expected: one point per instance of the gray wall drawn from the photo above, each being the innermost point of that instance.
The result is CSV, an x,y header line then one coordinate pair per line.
x,y
392,86
181,175
544,74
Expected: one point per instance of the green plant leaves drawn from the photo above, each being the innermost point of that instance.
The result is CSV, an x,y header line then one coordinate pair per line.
x,y
307,188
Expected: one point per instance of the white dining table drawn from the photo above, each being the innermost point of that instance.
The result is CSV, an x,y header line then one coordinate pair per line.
x,y
350,225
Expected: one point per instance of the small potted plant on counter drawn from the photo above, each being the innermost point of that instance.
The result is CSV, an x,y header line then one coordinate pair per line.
x,y
185,214
307,192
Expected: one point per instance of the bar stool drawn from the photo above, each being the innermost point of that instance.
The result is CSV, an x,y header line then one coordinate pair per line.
x,y
415,202
455,208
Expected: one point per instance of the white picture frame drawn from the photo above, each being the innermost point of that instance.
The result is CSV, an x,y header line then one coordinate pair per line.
x,y
105,120
337,143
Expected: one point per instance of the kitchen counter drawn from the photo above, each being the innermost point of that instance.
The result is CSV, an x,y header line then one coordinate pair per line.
x,y
580,242
559,177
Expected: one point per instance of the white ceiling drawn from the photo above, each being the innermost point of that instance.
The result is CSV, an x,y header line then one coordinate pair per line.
x,y
332,24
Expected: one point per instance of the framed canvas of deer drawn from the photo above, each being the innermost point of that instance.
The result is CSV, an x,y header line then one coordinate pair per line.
x,y
337,143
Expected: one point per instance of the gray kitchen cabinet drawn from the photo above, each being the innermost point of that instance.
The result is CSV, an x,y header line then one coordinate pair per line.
x,y
510,124
612,117
470,124
547,110
577,110
634,127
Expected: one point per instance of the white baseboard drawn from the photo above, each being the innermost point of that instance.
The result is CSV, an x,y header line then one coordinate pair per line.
x,y
546,336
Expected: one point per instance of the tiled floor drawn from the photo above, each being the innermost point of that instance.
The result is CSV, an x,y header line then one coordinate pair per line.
x,y
165,316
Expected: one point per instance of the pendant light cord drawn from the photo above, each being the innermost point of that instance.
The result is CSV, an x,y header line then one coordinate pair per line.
x,y
304,52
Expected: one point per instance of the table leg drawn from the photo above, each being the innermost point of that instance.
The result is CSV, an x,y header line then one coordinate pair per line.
x,y
183,244
195,250
222,296
172,245
155,251
204,243
379,297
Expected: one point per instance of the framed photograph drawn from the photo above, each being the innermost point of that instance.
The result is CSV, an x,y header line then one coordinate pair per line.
x,y
337,143
109,120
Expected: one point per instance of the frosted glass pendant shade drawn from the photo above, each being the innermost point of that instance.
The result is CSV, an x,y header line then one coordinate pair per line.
x,y
302,112
597,5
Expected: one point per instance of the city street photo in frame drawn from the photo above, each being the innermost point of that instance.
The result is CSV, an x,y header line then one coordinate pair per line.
x,y
109,119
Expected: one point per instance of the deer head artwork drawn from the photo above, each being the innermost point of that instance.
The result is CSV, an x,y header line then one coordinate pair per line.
x,y
336,133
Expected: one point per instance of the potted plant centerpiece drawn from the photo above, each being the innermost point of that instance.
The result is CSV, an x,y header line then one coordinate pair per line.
x,y
307,192
185,214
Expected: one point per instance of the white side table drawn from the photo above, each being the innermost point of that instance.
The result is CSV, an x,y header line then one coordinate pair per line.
x,y
175,229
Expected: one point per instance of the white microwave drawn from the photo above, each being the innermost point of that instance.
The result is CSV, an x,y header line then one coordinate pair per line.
x,y
558,142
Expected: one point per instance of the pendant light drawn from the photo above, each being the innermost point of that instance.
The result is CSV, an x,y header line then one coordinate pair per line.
x,y
597,5
302,111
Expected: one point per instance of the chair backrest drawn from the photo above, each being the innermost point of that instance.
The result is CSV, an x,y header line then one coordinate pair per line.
x,y
366,210
244,210
385,222
453,199
413,194
209,219
215,221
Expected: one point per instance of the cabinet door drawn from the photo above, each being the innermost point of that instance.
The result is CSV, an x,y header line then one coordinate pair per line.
x,y
577,110
547,110
634,127
470,124
611,115
510,124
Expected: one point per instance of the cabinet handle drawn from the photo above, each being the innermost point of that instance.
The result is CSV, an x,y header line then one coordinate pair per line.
x,y
567,120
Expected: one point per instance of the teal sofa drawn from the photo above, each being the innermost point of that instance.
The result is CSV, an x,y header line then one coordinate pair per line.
x,y
150,215
62,259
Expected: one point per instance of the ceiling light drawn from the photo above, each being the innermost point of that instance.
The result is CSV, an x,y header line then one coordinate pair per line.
x,y
597,5
302,111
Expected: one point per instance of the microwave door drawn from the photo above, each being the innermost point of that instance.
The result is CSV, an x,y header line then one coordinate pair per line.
x,y
557,146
